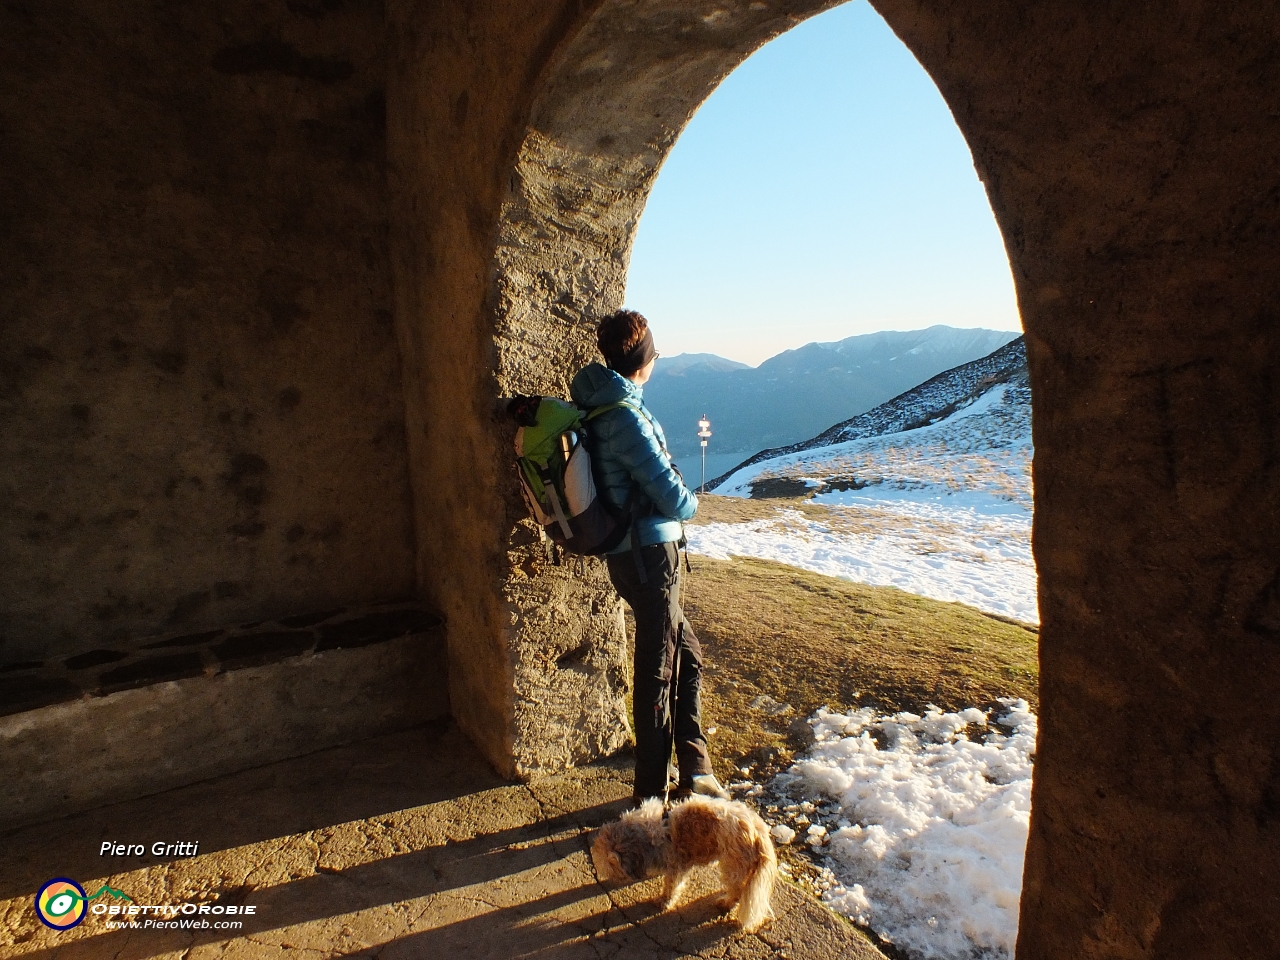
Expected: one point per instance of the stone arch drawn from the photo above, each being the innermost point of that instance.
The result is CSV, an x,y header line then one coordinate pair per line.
x,y
1128,164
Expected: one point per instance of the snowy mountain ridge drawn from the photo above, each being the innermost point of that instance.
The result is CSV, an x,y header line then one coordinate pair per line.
x,y
930,493
797,393
890,345
930,402
681,364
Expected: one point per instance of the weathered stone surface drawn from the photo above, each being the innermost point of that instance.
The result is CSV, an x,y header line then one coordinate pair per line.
x,y
98,672
254,649
201,419
174,666
185,640
93,658
374,627
28,692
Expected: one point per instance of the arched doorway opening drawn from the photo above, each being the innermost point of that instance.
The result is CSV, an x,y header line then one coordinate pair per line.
x,y
600,132
823,191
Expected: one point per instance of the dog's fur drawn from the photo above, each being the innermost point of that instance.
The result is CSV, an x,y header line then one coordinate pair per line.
x,y
697,831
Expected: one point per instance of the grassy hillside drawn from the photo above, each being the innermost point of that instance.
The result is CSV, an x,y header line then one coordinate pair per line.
x,y
780,642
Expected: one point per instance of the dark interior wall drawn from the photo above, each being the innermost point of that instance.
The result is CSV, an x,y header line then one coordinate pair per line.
x,y
201,415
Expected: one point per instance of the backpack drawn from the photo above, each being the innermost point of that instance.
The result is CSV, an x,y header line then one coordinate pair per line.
x,y
556,479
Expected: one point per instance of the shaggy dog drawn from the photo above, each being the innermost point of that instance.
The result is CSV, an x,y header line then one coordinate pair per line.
x,y
694,832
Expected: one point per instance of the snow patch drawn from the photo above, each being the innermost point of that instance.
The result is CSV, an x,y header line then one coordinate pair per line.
x,y
922,829
949,553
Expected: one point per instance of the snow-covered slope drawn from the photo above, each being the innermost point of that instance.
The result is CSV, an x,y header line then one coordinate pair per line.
x,y
930,493
918,822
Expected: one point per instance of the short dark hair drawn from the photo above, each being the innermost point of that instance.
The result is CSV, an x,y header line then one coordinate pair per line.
x,y
619,333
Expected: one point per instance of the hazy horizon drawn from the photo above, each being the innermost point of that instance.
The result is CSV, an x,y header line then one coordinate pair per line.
x,y
711,353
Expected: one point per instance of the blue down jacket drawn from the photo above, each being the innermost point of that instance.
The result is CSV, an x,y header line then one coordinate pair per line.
x,y
628,446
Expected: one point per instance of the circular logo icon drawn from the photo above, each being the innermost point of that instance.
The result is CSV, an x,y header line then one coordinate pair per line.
x,y
61,903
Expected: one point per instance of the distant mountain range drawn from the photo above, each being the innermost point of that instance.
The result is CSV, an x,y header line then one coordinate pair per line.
x,y
924,405
800,392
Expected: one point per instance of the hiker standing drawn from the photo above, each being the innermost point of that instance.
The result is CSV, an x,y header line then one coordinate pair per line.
x,y
633,466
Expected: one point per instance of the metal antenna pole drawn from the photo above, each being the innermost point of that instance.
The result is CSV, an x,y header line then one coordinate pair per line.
x,y
704,434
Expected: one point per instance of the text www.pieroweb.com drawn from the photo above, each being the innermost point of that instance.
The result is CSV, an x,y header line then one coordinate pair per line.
x,y
188,916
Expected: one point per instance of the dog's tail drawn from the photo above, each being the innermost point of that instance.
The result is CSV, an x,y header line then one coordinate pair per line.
x,y
753,906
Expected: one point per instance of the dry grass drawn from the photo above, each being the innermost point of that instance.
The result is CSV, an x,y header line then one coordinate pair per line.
x,y
774,634
780,510
716,509
783,515
943,463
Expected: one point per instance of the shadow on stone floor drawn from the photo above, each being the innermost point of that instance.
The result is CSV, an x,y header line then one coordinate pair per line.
x,y
530,932
425,765
406,846
421,879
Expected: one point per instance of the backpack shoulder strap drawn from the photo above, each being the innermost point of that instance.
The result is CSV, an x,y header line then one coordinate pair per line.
x,y
605,408
644,414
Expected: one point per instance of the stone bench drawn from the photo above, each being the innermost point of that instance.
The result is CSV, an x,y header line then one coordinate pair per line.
x,y
120,723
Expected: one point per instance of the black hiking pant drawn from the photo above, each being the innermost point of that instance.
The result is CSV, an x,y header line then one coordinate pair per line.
x,y
668,669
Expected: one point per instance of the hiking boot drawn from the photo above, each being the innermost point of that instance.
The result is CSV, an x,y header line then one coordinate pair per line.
x,y
707,785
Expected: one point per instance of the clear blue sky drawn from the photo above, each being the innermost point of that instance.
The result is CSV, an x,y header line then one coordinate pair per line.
x,y
822,191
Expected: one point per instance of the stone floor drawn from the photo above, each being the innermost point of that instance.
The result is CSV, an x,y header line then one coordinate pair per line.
x,y
407,846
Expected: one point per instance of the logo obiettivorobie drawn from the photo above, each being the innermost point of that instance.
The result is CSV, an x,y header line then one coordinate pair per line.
x,y
62,903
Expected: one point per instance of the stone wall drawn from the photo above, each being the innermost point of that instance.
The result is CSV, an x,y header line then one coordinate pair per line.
x,y
190,708
201,414
462,81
